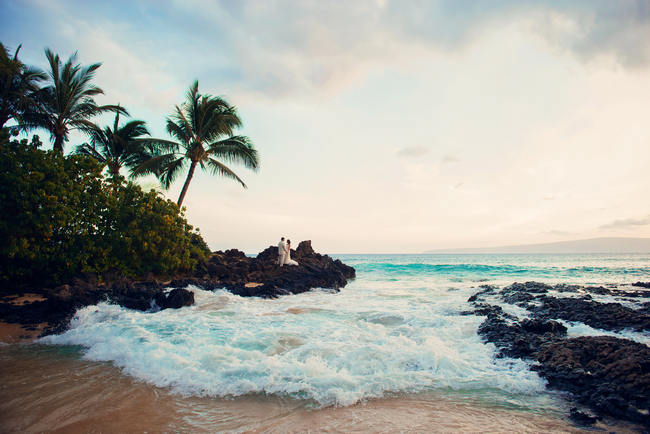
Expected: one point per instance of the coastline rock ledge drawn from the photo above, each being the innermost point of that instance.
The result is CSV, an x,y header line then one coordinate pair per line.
x,y
262,277
49,310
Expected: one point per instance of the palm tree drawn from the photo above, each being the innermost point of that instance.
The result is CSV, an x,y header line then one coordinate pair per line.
x,y
117,146
67,103
203,127
18,84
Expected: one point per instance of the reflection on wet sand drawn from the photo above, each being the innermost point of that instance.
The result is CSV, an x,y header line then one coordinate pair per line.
x,y
50,388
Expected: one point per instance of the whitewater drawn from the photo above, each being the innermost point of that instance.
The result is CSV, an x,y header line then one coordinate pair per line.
x,y
397,330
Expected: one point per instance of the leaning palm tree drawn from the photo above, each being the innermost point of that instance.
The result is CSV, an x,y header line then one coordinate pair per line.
x,y
203,127
119,146
68,102
18,85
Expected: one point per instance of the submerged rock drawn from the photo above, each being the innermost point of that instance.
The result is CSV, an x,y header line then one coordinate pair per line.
x,y
177,298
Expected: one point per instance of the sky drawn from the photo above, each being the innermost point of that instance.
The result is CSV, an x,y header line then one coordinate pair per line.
x,y
386,126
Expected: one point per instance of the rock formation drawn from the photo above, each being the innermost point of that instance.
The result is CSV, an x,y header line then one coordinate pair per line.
x,y
609,375
232,269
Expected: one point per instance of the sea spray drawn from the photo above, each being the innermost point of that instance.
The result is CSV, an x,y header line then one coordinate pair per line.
x,y
397,329
332,349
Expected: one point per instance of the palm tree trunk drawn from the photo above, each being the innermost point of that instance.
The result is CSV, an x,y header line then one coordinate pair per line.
x,y
58,143
190,174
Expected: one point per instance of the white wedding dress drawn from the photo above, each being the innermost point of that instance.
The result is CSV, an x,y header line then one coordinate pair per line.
x,y
288,260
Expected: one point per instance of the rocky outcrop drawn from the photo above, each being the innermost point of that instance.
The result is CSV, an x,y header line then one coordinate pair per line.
x,y
177,298
609,375
262,277
232,269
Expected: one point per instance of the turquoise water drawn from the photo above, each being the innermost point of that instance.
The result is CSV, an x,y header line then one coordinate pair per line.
x,y
505,268
396,330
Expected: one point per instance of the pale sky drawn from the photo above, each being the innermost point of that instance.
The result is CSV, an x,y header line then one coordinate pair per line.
x,y
387,126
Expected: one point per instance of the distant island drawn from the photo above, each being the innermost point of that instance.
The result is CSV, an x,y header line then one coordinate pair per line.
x,y
592,245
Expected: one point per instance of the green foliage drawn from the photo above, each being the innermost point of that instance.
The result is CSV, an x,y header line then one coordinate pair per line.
x,y
59,218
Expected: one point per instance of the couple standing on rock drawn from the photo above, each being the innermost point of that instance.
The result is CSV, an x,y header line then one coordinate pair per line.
x,y
284,253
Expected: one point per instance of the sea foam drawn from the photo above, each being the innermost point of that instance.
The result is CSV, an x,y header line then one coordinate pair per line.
x,y
334,349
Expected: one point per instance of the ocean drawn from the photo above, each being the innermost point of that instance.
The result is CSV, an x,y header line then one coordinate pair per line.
x,y
390,351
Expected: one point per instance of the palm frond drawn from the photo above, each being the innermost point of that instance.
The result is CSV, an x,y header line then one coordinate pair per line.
x,y
236,149
218,168
171,172
153,165
86,149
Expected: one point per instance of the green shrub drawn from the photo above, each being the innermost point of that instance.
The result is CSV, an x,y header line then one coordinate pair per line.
x,y
59,219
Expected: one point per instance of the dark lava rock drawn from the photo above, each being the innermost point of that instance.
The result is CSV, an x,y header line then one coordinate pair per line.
x,y
600,290
642,284
234,270
581,418
538,326
606,316
610,375
530,287
522,293
177,298
485,289
521,340
562,287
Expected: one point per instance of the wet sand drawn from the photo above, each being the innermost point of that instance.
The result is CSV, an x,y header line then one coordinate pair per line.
x,y
46,388
14,333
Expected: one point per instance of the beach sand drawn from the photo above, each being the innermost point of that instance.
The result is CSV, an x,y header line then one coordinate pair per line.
x,y
48,388
13,332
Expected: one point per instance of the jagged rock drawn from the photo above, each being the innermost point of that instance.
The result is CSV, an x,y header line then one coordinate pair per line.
x,y
581,418
610,375
642,284
528,287
177,298
233,269
606,316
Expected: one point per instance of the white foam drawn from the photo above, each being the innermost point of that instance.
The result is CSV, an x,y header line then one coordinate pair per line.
x,y
576,329
332,348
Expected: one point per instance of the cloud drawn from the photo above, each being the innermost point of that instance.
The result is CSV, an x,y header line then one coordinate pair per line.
x,y
284,48
556,233
591,28
450,159
412,151
281,48
627,223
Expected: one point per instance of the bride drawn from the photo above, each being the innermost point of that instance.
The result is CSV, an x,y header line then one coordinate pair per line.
x,y
289,261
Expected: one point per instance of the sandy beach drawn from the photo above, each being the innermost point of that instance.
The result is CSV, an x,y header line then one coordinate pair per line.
x,y
50,389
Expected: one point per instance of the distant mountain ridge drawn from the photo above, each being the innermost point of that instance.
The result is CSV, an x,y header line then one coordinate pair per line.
x,y
592,245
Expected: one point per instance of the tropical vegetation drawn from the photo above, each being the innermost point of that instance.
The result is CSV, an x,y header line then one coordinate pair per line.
x,y
118,146
18,86
61,219
69,215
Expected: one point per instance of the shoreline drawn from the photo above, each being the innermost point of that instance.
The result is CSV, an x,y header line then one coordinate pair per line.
x,y
100,395
539,338
29,309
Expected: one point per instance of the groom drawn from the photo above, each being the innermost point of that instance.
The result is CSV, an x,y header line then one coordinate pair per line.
x,y
282,252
